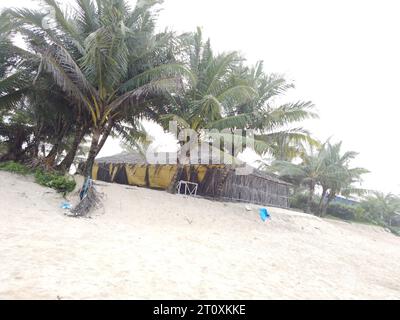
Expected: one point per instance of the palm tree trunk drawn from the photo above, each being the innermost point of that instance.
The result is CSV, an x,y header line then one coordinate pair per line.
x,y
65,165
36,141
15,151
321,201
326,205
310,197
92,152
51,157
104,137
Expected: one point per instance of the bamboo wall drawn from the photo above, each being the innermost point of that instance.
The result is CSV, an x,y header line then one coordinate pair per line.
x,y
215,181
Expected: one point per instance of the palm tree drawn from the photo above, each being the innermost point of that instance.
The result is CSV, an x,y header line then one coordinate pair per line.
x,y
308,173
381,206
96,58
327,168
227,95
274,122
338,177
214,89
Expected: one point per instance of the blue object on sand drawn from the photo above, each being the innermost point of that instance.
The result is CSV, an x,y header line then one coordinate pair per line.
x,y
66,205
264,214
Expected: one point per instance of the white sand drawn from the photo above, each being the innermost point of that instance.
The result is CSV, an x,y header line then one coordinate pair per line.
x,y
148,244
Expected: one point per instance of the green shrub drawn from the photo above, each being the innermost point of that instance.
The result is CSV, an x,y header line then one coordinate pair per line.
x,y
55,181
395,230
14,167
299,201
63,184
345,212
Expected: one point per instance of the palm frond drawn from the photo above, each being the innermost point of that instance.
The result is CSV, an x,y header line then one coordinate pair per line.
x,y
237,95
239,121
68,76
87,18
65,24
163,71
157,87
165,119
217,70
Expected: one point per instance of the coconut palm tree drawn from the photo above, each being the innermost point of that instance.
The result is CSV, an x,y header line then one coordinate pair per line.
x,y
339,178
327,168
308,173
227,95
382,207
215,88
274,122
96,57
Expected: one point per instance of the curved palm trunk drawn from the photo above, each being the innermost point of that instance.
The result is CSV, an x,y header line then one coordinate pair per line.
x,y
104,137
93,151
66,163
51,157
99,138
326,205
310,197
34,147
15,151
321,201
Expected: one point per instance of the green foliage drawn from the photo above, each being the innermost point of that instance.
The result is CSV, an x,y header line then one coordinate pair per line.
x,y
338,210
346,212
62,184
395,230
382,209
328,168
14,167
300,200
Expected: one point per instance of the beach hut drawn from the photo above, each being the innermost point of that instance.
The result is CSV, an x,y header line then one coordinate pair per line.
x,y
233,182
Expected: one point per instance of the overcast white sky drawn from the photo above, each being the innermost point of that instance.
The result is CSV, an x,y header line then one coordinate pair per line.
x,y
344,55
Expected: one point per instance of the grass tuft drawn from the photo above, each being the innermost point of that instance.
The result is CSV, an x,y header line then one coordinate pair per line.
x,y
14,167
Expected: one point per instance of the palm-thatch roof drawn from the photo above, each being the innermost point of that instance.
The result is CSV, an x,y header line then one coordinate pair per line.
x,y
135,158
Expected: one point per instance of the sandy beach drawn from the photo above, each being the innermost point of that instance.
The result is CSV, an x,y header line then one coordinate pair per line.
x,y
146,244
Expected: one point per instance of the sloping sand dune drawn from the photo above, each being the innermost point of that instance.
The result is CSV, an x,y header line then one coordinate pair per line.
x,y
148,244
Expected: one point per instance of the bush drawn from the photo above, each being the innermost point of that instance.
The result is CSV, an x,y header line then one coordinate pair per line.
x,y
14,167
395,230
345,212
299,201
55,181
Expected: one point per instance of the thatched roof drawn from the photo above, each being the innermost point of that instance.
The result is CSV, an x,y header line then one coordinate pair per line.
x,y
269,176
206,155
125,157
137,158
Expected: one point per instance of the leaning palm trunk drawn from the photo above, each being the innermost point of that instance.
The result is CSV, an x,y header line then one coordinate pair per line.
x,y
310,198
51,157
93,151
66,163
322,201
326,204
15,149
99,138
104,137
